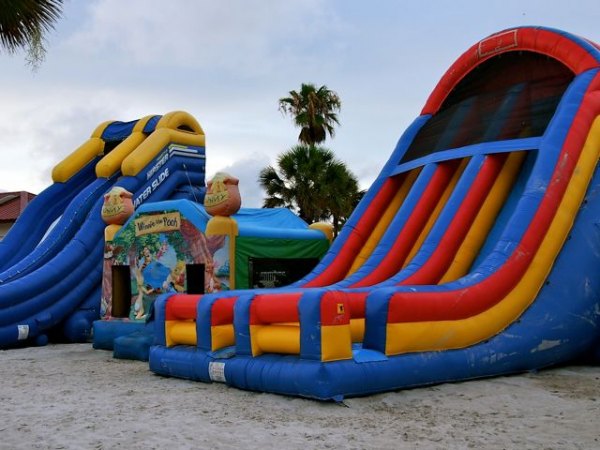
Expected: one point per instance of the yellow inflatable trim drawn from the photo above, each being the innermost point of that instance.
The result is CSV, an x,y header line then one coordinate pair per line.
x,y
222,336
81,156
325,228
336,342
275,339
173,128
180,332
357,328
111,231
180,120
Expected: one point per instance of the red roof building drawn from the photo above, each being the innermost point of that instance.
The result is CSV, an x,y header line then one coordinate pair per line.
x,y
12,205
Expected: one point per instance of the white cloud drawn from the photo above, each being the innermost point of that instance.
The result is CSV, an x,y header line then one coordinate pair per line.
x,y
228,62
247,170
42,127
243,37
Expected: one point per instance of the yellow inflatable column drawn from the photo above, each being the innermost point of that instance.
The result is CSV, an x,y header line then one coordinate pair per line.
x,y
81,156
325,228
228,227
117,208
221,201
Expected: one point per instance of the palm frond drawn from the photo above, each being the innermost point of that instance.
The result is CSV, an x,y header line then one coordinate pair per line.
x,y
23,22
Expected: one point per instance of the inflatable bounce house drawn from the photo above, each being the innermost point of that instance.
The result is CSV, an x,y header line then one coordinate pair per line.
x,y
178,247
474,253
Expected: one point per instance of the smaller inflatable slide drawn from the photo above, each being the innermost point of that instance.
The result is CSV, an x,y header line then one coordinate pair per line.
x,y
51,260
474,253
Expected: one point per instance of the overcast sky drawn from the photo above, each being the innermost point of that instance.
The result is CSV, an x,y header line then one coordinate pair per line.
x,y
227,63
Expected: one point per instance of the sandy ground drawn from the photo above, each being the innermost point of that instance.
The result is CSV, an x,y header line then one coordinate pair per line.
x,y
75,397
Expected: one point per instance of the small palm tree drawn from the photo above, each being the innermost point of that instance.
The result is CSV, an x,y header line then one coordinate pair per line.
x,y
23,24
311,182
343,194
314,111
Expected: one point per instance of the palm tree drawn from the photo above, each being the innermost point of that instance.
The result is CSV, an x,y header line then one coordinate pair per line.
x,y
343,194
314,112
23,24
310,181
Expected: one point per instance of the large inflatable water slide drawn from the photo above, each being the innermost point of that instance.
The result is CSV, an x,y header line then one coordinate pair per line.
x,y
475,253
51,259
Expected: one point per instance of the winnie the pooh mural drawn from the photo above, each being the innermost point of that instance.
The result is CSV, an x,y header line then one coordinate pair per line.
x,y
155,252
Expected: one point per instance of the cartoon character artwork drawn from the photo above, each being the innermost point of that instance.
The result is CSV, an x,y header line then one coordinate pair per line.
x,y
166,254
223,195
217,267
212,281
117,206
145,258
157,269
159,252
175,282
140,303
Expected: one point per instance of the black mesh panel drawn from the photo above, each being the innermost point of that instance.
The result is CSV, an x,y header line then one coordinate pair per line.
x,y
510,96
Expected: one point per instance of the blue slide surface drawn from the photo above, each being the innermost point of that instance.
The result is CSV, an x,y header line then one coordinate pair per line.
x,y
40,214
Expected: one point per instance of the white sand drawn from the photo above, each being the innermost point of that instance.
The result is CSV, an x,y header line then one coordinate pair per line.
x,y
74,397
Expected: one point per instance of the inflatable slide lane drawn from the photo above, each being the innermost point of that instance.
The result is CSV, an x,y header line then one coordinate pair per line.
x,y
57,285
475,252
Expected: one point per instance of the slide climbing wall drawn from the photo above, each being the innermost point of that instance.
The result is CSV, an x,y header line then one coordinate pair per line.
x,y
474,253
